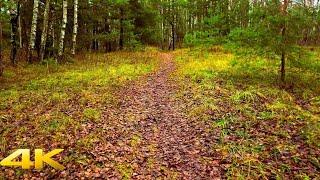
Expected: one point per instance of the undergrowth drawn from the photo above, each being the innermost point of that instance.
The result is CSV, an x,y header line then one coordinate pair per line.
x,y
50,106
264,131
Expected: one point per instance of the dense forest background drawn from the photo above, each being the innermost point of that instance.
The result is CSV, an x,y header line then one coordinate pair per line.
x,y
53,28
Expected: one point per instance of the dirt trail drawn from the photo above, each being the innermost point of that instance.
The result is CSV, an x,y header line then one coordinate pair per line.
x,y
149,137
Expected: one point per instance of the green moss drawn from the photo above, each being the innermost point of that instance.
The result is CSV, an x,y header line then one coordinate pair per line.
x,y
125,170
135,140
88,141
92,114
56,122
58,97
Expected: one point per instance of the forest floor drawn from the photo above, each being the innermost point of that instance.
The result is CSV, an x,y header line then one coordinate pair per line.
x,y
149,135
191,114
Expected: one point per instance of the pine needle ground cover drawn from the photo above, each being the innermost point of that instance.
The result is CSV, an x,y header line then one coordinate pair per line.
x,y
262,131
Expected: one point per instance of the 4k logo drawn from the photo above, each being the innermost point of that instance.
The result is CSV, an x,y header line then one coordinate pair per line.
x,y
39,159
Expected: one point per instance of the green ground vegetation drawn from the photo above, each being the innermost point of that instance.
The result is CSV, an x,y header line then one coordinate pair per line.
x,y
263,130
49,105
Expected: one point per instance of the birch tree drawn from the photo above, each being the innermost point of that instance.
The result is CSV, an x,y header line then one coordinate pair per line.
x,y
63,27
14,13
52,30
44,30
1,61
75,27
33,29
20,31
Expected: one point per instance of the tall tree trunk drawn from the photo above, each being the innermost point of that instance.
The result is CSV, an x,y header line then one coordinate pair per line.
x,y
52,31
173,36
121,29
95,42
63,28
33,30
283,48
1,61
14,13
20,31
52,41
283,66
162,27
75,27
162,42
93,45
107,31
173,23
44,30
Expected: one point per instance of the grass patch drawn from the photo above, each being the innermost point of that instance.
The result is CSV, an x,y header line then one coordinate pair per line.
x,y
125,170
92,114
52,106
260,126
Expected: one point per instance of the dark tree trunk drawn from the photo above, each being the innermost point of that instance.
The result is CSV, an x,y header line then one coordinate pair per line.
x,y
107,31
14,30
172,23
1,61
95,41
173,37
283,50
283,65
283,56
121,29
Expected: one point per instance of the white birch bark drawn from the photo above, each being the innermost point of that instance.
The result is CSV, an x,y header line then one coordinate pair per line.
x,y
75,28
20,31
53,36
33,28
1,61
45,29
63,27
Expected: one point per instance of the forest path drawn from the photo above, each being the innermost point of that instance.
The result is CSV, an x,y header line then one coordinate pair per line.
x,y
149,137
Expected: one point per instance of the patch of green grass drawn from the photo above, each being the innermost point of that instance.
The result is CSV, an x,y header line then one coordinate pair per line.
x,y
315,100
244,96
259,125
9,74
125,170
311,131
150,163
3,143
92,114
56,122
57,97
223,123
88,141
265,115
205,67
49,102
135,140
